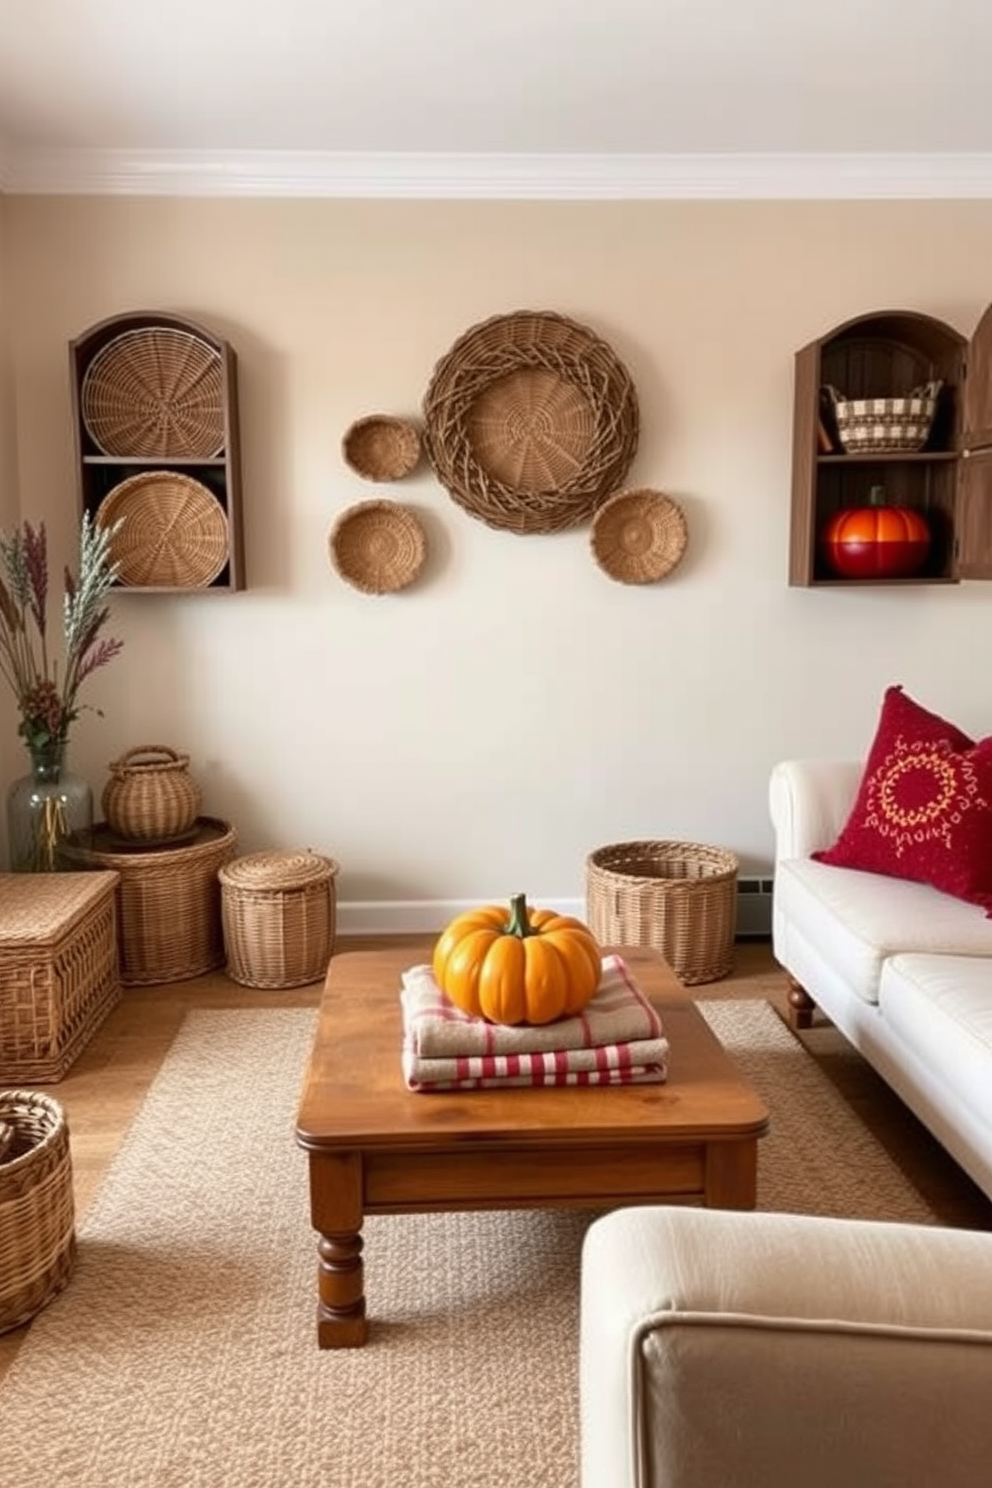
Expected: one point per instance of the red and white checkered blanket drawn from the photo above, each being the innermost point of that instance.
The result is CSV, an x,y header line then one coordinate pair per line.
x,y
617,1040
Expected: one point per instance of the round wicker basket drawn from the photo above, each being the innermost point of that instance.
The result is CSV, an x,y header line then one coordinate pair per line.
x,y
155,391
531,419
278,912
37,1216
638,536
173,531
378,546
680,897
151,797
382,448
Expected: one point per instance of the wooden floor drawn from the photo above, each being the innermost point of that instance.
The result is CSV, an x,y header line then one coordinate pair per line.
x,y
105,1087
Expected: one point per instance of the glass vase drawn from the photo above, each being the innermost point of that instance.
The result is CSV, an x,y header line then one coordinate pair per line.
x,y
43,808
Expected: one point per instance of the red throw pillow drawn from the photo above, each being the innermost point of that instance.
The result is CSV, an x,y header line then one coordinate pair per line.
x,y
924,805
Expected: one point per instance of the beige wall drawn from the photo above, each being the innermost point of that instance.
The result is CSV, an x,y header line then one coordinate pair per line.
x,y
10,760
480,733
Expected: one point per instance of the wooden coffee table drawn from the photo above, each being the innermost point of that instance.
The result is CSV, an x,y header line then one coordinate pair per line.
x,y
377,1148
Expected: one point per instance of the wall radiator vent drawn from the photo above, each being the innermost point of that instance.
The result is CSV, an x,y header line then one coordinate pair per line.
x,y
754,908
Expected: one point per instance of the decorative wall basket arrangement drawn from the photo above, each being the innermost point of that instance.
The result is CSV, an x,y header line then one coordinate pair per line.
x,y
380,447
638,536
155,391
378,547
531,420
173,533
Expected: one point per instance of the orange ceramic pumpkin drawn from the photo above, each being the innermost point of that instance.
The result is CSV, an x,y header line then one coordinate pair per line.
x,y
876,541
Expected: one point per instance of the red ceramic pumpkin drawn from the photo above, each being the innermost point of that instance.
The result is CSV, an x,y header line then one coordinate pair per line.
x,y
876,541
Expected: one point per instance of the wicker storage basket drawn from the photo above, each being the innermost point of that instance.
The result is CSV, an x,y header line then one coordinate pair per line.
x,y
151,796
680,897
169,925
278,913
37,1217
58,969
880,424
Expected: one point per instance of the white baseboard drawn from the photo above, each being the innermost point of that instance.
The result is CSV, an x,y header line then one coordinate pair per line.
x,y
421,916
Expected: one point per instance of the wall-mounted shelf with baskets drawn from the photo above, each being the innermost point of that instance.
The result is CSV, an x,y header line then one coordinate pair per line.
x,y
947,480
155,419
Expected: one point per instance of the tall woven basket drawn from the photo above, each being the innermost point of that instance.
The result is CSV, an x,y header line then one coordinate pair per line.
x,y
37,1218
680,897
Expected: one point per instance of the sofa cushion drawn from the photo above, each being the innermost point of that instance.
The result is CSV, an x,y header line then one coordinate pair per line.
x,y
857,919
924,806
941,1008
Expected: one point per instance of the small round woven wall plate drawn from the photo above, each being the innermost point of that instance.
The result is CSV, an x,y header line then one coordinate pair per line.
x,y
381,447
173,531
530,421
638,536
155,391
377,546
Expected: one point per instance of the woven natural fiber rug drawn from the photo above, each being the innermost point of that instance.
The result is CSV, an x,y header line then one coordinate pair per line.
x,y
183,1353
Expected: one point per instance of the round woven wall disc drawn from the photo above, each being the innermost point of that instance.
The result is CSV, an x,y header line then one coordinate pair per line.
x,y
377,546
638,536
380,447
531,420
172,534
155,391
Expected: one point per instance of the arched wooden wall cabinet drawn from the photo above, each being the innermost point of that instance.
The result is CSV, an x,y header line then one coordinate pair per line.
x,y
949,480
211,459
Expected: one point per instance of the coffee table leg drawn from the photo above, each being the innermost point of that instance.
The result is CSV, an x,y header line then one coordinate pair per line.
x,y
732,1175
336,1212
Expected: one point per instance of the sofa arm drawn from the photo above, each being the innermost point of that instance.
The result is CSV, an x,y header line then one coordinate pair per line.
x,y
772,1349
810,801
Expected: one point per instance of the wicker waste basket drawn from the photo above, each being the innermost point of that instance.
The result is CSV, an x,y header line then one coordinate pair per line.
x,y
278,911
37,1217
169,922
680,897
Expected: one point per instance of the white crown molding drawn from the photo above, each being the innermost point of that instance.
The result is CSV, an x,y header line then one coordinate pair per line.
x,y
306,173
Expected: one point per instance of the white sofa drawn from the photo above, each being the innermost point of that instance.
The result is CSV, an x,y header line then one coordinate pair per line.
x,y
904,971
721,1349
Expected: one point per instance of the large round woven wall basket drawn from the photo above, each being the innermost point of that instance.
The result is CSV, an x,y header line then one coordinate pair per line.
x,y
531,421
680,897
37,1217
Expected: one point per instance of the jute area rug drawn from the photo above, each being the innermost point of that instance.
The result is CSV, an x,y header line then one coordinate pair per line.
x,y
183,1354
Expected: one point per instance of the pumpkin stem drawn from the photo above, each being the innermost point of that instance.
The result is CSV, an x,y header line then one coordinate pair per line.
x,y
519,923
876,496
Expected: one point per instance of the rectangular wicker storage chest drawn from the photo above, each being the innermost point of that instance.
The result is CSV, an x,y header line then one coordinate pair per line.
x,y
58,969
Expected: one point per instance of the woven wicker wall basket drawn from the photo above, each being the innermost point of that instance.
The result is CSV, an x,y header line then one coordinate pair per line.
x,y
680,897
531,421
638,537
155,391
173,531
380,447
37,1216
378,547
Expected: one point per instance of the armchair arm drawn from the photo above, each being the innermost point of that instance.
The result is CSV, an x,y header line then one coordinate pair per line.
x,y
810,800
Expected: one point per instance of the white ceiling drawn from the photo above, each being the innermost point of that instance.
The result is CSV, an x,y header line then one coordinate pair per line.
x,y
389,96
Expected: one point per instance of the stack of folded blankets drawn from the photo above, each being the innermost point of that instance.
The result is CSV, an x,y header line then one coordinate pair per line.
x,y
617,1039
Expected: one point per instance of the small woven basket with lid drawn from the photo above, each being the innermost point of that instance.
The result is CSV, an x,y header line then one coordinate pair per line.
x,y
680,897
278,912
37,1217
151,796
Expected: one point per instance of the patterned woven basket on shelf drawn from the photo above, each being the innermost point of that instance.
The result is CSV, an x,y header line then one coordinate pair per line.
x,y
531,420
279,917
155,391
173,531
37,1217
882,424
169,923
378,547
151,797
638,536
680,897
382,448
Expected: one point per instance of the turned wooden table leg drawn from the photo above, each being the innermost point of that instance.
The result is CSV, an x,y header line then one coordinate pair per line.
x,y
801,1005
336,1213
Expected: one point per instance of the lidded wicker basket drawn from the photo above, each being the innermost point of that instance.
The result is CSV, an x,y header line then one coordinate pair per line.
x,y
37,1216
278,912
151,797
680,897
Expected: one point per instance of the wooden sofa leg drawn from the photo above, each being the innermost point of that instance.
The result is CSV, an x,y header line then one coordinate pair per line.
x,y
801,1006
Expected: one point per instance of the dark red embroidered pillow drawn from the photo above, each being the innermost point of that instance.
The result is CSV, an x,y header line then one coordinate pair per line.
x,y
924,805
